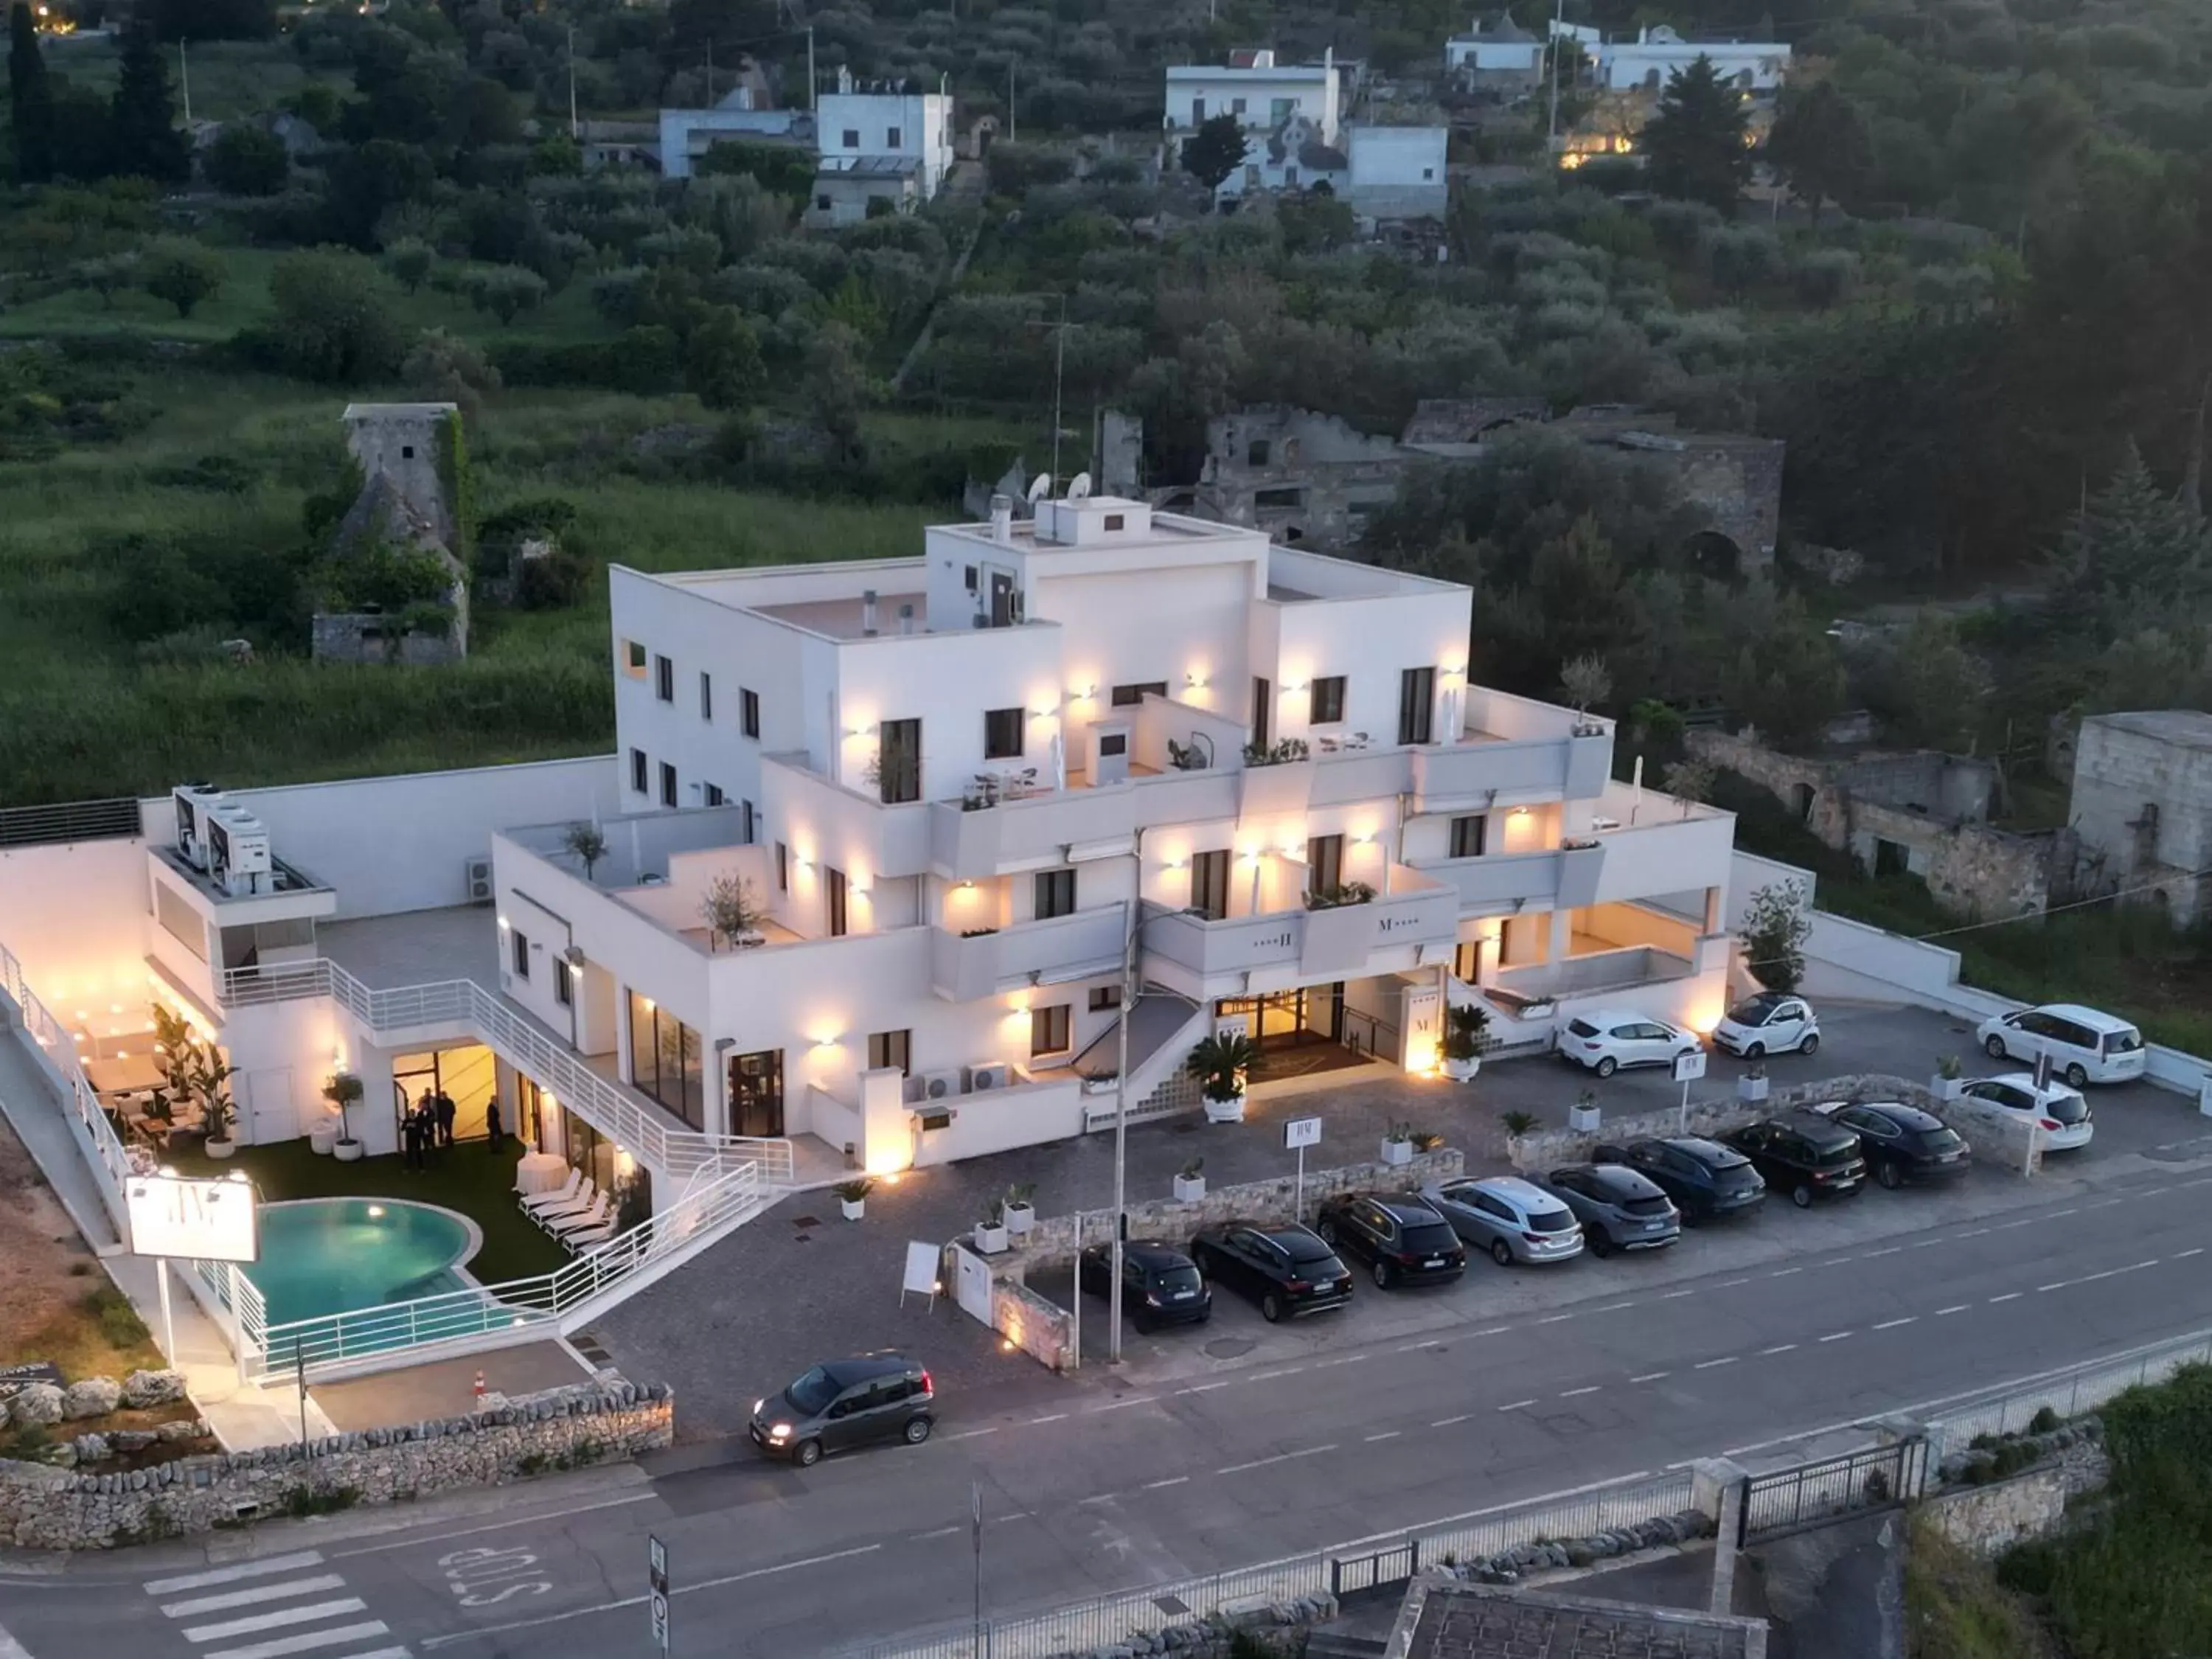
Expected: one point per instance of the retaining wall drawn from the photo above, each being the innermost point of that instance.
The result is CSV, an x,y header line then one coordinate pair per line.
x,y
44,1508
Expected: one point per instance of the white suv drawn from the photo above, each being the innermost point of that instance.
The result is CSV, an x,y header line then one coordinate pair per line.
x,y
2084,1046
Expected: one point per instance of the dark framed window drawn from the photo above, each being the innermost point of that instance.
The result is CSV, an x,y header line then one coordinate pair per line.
x,y
833,896
564,982
1209,883
1105,997
634,658
1263,713
1417,698
898,761
783,868
1050,1029
663,679
1055,893
891,137
749,824
705,696
664,1060
747,712
1002,733
1324,863
887,1048
518,945
714,795
1328,701
1115,521
1128,696
851,137
1468,834
667,784
637,772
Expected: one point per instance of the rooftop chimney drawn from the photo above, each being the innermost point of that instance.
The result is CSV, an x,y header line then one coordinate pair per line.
x,y
1002,520
868,611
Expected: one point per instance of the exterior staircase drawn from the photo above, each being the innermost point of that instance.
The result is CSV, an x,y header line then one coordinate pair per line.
x,y
1164,1027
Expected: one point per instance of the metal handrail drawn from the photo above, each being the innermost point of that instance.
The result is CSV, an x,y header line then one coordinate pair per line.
x,y
115,819
103,1148
677,1153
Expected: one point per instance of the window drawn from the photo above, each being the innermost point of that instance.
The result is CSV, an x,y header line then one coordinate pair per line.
x,y
898,761
667,784
783,868
749,824
1237,106
705,696
1209,883
1055,893
851,137
1428,172
407,451
971,578
822,203
714,795
1002,733
1324,863
637,772
749,711
1280,109
1115,521
1049,1030
1417,697
1278,499
564,982
1328,701
1104,999
1128,696
1198,112
1256,451
518,945
833,895
634,659
664,1060
1263,713
889,1049
663,679
1466,836
891,137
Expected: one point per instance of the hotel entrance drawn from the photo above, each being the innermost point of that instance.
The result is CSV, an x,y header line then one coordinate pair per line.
x,y
1284,1020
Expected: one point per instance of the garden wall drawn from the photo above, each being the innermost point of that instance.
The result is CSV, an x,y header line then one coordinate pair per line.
x,y
45,1508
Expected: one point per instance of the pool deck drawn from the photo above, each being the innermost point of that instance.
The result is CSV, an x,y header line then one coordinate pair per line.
x,y
445,1387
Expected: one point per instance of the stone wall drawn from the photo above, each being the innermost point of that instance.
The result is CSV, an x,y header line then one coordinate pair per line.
x,y
1043,1330
1989,1519
44,1508
2141,804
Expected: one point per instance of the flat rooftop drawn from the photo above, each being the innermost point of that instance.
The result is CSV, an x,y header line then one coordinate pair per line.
x,y
2184,728
847,618
417,947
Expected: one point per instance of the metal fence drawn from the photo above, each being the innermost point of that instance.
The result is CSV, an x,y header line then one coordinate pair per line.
x,y
95,1136
76,820
2069,1392
1790,1500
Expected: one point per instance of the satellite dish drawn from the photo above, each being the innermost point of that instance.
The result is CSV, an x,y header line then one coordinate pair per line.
x,y
1079,487
1040,488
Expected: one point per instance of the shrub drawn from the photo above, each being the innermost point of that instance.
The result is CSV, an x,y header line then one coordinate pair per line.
x,y
332,321
506,291
246,159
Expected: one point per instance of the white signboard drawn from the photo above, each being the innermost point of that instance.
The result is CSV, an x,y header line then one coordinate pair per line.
x,y
1690,1066
1301,1132
922,1261
658,1601
201,1220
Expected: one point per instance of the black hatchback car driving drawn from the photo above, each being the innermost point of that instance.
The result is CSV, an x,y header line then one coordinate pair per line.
x,y
1706,1180
1286,1269
1160,1285
1804,1155
846,1403
1401,1238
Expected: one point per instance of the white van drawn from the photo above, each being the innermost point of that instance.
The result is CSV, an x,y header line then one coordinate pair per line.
x,y
2084,1046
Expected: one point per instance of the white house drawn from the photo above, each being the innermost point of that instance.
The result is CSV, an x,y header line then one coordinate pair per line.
x,y
687,134
1495,52
1260,93
1397,172
885,140
1646,62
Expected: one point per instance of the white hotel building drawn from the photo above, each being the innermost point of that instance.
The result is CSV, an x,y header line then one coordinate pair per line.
x,y
954,784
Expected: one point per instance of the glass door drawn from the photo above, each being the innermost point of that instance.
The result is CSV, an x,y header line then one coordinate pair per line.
x,y
756,1094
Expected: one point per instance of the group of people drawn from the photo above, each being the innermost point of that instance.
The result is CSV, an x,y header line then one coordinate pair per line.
x,y
427,1127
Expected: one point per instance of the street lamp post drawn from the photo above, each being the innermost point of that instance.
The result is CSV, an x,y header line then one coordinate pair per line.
x,y
1130,912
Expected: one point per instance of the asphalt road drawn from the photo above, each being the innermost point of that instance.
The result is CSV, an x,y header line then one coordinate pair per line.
x,y
1098,1483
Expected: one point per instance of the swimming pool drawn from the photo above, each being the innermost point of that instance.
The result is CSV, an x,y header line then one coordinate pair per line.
x,y
332,1255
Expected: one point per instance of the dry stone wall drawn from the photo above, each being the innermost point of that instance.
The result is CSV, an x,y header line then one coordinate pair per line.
x,y
47,1508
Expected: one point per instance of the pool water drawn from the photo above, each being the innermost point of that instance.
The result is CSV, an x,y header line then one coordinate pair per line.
x,y
330,1255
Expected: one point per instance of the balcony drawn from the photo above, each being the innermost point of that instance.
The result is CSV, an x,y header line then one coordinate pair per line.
x,y
1033,830
855,828
968,967
1390,932
1480,769
1654,844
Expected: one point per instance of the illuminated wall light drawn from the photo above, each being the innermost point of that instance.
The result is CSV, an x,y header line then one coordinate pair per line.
x,y
1195,680
1520,812
504,924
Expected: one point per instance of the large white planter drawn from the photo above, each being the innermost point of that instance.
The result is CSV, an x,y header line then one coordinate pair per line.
x,y
1225,1111
1462,1070
853,1207
349,1151
1751,1090
319,1141
1946,1088
1397,1152
990,1241
1585,1120
221,1148
1020,1219
1188,1190
1100,1085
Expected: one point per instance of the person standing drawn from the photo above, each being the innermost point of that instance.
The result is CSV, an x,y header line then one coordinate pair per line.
x,y
446,1113
493,1131
426,1114
410,1138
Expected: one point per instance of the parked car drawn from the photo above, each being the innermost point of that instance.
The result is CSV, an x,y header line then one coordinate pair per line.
x,y
1804,1154
1772,1022
1609,1038
1401,1238
846,1403
1286,1269
2084,1046
2067,1120
1903,1145
1160,1284
1617,1208
1514,1220
1706,1180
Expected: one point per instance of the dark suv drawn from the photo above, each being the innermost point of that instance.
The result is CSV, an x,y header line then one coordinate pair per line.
x,y
843,1404
1400,1237
1804,1154
1706,1180
1284,1267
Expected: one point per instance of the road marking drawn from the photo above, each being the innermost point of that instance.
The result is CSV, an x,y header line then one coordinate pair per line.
x,y
304,1642
256,1622
1710,1364
971,1434
1202,1388
1779,1347
1280,1457
1446,1422
1516,1405
1414,1347
1835,1336
1349,1359
1576,1394
2025,1221
1730,1284
2009,1296
1673,1294
260,1569
1493,1330
1973,1232
1956,1307
2184,1255
2103,1203
1892,1250
1554,1318
2069,1210
764,1572
1891,1324
2055,1284
1269,1376
1615,1307
940,1532
1651,1377
1057,1417
1928,1243
247,1598
1172,1480
1387,1434
525,1518
1119,1405
1784,1272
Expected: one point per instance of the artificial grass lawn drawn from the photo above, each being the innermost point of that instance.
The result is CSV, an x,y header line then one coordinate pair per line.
x,y
467,1177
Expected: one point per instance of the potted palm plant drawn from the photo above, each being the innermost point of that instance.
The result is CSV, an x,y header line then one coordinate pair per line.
x,y
1467,1039
1583,1116
1190,1181
344,1091
1398,1144
1021,1214
1221,1064
990,1234
852,1196
212,1075
1948,1083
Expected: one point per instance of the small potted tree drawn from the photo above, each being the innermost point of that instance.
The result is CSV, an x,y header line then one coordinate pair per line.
x,y
1020,1213
852,1196
212,1075
1583,1116
1751,1087
1467,1039
586,843
1948,1082
1398,1145
1221,1063
731,913
343,1092
1190,1181
990,1235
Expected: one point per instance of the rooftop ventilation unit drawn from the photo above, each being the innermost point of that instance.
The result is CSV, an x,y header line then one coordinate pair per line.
x,y
194,802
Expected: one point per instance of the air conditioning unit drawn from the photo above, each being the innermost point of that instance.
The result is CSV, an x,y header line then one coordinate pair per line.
x,y
939,1085
477,872
995,1074
194,803
238,851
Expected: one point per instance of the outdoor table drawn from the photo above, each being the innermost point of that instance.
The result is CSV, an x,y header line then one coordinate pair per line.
x,y
540,1172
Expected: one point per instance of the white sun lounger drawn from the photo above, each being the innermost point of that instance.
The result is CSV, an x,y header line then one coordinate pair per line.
x,y
554,1216
536,1203
601,1213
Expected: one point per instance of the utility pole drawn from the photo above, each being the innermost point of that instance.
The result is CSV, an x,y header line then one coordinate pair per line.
x,y
1559,16
1012,121
574,130
1059,379
184,77
710,72
813,86
1121,1119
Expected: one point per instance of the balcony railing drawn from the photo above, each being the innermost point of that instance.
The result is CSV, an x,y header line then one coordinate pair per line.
x,y
1344,938
1568,768
1502,881
964,969
96,1137
1599,970
66,821
966,844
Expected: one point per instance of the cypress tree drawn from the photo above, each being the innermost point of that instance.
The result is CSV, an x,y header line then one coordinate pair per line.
x,y
143,120
31,98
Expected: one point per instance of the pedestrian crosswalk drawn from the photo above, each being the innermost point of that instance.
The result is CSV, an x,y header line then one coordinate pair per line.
x,y
273,1608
